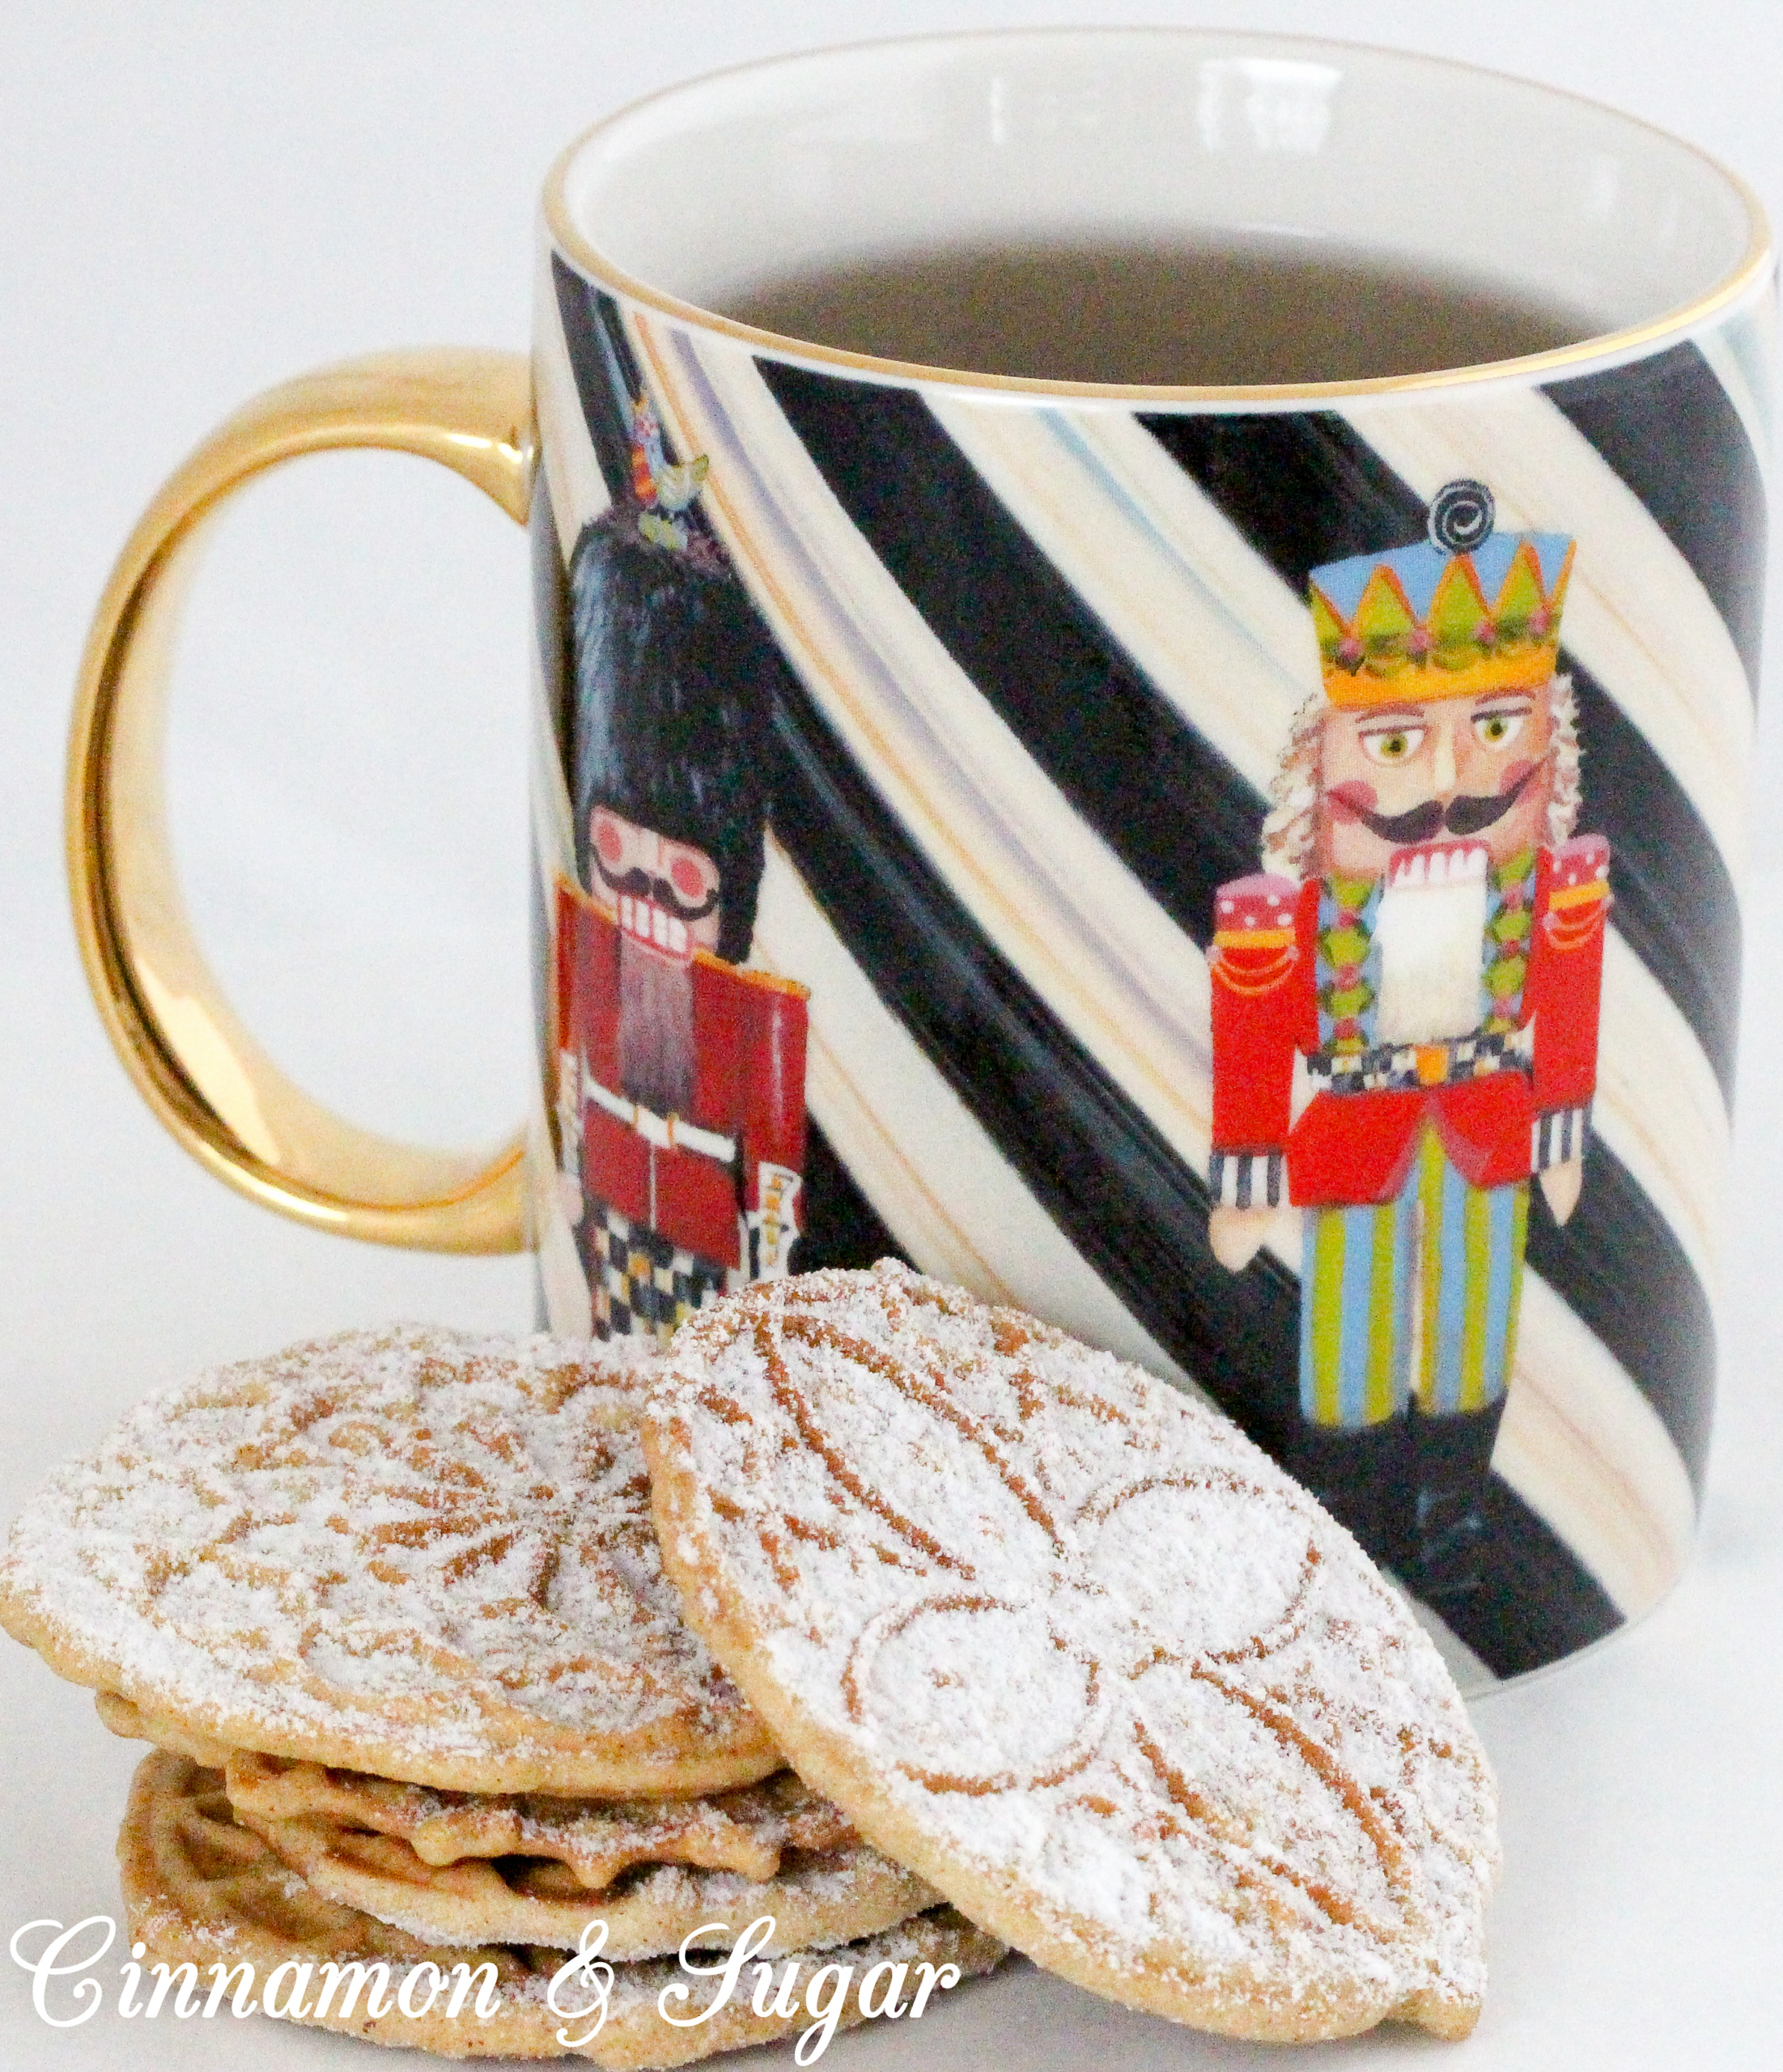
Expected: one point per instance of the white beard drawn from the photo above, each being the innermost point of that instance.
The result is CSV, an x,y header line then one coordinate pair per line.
x,y
1431,931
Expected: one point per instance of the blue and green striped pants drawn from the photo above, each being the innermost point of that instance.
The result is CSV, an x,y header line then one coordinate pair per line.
x,y
1431,1280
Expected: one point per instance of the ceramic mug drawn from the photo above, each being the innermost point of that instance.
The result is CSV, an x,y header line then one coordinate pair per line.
x,y
1250,871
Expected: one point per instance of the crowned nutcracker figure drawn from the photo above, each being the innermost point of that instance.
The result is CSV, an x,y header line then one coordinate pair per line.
x,y
681,1074
1405,1018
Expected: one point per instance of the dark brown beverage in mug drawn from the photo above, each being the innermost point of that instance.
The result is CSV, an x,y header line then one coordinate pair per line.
x,y
1251,311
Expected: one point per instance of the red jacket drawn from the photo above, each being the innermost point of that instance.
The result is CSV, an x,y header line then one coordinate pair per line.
x,y
737,1162
1501,1111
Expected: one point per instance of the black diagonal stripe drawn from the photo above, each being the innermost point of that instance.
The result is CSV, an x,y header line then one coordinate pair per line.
x,y
1561,1607
842,1227
1617,1265
1173,809
1675,902
1129,763
1668,428
606,373
1305,488
1095,1164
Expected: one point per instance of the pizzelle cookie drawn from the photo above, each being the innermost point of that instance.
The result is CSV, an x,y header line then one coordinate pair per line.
x,y
407,1551
130,1722
1071,1646
200,1889
745,1831
656,1872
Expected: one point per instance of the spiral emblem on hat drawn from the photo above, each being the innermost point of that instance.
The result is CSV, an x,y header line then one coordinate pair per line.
x,y
1461,516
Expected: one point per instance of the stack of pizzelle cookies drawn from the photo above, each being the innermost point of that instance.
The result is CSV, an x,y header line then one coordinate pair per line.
x,y
391,1608
939,1606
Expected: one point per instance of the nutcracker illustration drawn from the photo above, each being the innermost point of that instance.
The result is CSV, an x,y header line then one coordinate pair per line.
x,y
680,1073
1405,1017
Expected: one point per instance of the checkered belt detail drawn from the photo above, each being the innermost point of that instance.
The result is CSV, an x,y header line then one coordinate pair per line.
x,y
1393,1068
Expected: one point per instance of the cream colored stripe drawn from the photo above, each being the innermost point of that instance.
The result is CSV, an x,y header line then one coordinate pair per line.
x,y
1659,1108
1212,625
1586,1451
1231,646
1034,1236
1635,615
573,479
568,1306
554,819
943,1188
1043,887
569,1309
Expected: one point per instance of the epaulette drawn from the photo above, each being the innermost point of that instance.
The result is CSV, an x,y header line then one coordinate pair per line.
x,y
1261,904
1253,941
1578,890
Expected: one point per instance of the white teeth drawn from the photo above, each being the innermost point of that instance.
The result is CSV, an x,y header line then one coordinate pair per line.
x,y
647,922
1452,864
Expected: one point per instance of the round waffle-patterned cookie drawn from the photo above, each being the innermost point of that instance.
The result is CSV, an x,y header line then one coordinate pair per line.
x,y
745,1831
199,1889
409,1551
130,1722
1068,1644
656,1872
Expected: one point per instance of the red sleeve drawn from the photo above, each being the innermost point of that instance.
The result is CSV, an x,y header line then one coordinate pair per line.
x,y
586,947
1264,1008
772,1119
1566,970
773,1093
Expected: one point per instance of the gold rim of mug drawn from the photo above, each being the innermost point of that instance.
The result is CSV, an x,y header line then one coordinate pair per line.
x,y
1629,342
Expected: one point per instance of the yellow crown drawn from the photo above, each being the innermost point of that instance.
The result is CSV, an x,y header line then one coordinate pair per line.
x,y
1469,612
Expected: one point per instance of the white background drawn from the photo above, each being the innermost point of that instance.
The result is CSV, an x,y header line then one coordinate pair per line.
x,y
196,200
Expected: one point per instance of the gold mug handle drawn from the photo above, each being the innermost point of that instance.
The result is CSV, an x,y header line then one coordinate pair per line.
x,y
198,1068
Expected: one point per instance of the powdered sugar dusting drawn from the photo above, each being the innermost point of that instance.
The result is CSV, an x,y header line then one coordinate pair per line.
x,y
1093,1648
432,1545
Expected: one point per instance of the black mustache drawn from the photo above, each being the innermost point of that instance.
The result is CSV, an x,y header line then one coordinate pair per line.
x,y
1467,814
640,884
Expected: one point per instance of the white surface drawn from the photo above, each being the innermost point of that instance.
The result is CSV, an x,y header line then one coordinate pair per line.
x,y
195,202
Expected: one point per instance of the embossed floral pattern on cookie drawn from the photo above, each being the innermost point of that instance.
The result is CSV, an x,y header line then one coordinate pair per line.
x,y
1071,1646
